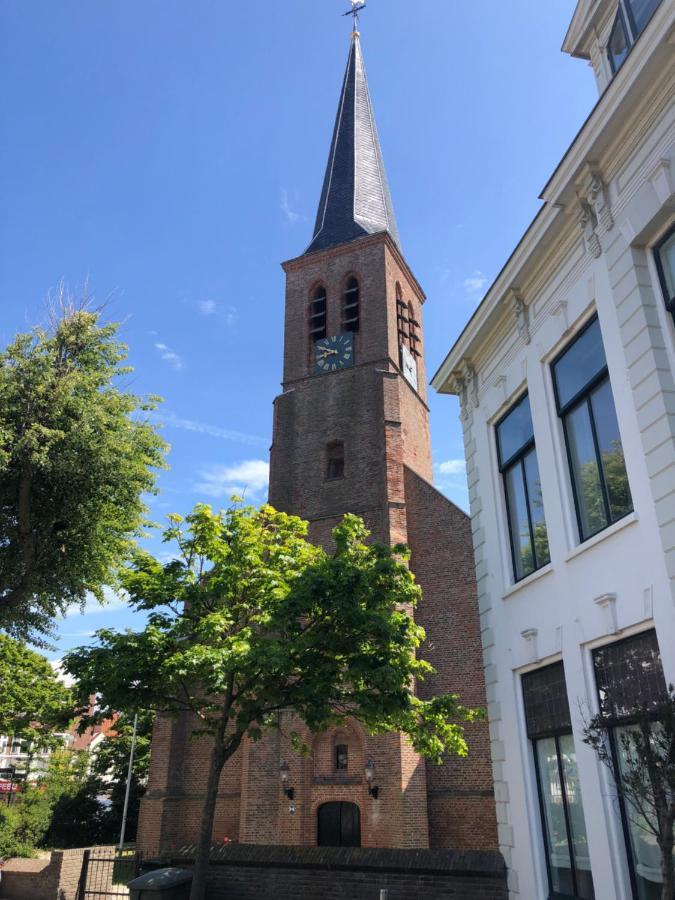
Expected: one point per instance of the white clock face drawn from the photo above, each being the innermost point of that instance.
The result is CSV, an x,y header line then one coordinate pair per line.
x,y
409,366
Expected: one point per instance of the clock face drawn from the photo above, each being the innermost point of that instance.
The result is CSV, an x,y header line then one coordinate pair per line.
x,y
333,353
409,366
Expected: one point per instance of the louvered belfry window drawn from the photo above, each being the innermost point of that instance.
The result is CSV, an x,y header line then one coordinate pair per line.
x,y
414,332
402,320
317,315
351,306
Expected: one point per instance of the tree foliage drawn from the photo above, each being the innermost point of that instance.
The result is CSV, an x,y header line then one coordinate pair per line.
x,y
76,456
33,702
251,619
643,773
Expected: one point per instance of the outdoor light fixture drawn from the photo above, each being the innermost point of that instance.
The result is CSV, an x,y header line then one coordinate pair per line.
x,y
284,772
373,789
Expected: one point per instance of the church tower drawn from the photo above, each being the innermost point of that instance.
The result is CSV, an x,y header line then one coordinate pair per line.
x,y
351,435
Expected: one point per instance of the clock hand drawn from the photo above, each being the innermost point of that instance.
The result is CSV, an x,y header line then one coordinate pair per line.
x,y
327,352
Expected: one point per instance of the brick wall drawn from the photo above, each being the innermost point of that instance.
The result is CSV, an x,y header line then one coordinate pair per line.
x,y
286,873
55,877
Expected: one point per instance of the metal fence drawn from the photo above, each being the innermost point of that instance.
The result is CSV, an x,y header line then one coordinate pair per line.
x,y
106,871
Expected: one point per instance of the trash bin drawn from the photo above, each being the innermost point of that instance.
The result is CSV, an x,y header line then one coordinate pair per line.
x,y
162,884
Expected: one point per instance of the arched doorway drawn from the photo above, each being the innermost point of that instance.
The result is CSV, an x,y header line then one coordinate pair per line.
x,y
339,825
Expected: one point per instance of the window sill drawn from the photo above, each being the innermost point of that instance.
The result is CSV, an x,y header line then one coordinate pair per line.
x,y
628,520
524,582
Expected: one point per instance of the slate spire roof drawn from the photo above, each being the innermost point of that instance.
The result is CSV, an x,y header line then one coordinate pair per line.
x,y
355,199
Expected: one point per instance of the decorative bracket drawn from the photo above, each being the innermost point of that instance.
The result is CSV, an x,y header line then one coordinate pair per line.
x,y
607,602
471,383
595,216
529,635
521,313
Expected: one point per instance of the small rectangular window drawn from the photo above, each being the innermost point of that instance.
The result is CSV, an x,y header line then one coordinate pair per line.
x,y
335,460
586,407
341,757
522,485
665,264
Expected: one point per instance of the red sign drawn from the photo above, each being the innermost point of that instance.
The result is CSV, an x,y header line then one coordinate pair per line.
x,y
7,787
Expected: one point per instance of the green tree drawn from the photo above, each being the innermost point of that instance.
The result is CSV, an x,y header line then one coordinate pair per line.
x,y
110,764
643,773
252,619
34,704
76,456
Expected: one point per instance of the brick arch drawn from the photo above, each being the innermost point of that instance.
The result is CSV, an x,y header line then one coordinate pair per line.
x,y
323,749
321,801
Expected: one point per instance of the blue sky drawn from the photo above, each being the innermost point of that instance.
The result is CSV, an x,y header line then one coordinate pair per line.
x,y
172,153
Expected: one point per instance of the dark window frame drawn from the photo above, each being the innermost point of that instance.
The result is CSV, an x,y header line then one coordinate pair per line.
x,y
619,19
615,722
317,316
518,458
341,755
335,461
583,395
534,737
630,15
668,300
351,301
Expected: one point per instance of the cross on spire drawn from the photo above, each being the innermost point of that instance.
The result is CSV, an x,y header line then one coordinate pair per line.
x,y
357,7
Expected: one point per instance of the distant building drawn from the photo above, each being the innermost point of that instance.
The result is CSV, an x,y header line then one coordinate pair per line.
x,y
565,374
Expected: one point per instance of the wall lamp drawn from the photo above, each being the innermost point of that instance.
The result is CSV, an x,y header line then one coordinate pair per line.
x,y
373,789
284,772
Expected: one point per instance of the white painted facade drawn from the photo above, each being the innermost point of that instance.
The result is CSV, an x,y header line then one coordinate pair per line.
x,y
589,250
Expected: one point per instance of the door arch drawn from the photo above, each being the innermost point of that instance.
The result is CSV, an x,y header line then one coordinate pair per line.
x,y
339,825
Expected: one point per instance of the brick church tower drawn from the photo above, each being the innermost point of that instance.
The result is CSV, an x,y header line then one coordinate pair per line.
x,y
351,434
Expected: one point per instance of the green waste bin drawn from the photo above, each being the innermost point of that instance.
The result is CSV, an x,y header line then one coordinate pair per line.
x,y
162,884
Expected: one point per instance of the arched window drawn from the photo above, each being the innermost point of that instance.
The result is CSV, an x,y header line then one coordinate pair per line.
x,y
350,306
413,331
317,315
402,318
335,460
341,757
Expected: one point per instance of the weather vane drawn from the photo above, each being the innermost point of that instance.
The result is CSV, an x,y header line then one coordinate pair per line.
x,y
357,6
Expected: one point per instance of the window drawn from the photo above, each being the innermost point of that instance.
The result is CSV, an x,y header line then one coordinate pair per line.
x,y
639,13
522,486
317,315
665,264
413,331
402,322
335,460
350,306
549,729
341,757
617,48
629,677
632,18
595,453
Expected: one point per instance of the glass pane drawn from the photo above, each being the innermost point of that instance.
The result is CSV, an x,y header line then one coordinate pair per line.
x,y
518,523
642,11
580,363
629,675
560,864
646,853
585,473
541,551
514,431
667,260
575,812
611,451
618,44
545,698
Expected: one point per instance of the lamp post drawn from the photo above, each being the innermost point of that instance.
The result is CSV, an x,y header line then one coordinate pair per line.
x,y
284,772
373,789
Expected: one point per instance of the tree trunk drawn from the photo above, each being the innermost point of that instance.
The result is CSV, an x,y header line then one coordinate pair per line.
x,y
201,867
667,869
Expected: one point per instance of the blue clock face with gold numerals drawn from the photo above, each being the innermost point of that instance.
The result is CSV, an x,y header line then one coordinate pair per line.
x,y
333,353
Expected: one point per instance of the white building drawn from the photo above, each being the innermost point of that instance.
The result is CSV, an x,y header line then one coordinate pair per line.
x,y
568,365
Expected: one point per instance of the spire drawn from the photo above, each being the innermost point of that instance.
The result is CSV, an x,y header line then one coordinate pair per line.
x,y
355,199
